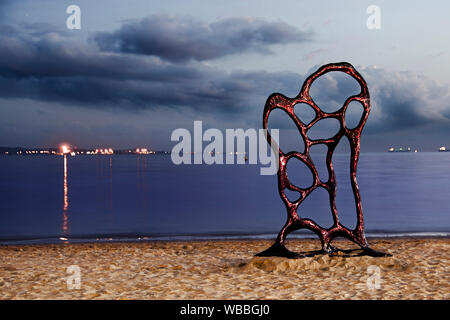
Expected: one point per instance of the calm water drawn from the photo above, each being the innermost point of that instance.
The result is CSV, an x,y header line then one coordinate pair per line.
x,y
44,198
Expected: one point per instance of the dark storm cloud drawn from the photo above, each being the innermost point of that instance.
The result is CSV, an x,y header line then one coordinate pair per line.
x,y
178,39
405,100
400,100
48,66
46,54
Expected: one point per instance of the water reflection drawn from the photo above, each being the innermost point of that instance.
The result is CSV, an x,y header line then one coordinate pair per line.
x,y
110,208
104,176
65,225
142,184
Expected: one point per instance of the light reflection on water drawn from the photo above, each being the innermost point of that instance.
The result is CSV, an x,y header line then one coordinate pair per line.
x,y
104,177
65,225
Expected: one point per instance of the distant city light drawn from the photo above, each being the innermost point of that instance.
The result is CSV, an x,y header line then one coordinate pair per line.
x,y
143,151
65,149
104,151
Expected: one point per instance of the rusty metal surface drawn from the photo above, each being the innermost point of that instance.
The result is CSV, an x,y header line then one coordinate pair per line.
x,y
294,219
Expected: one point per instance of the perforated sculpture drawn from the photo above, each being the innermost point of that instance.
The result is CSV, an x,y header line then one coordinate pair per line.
x,y
294,221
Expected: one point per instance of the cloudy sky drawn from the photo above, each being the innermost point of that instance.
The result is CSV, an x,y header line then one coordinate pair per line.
x,y
139,69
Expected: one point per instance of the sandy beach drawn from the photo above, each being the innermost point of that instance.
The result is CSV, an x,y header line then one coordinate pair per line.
x,y
418,269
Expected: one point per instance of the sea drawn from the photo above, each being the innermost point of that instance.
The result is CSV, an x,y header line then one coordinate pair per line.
x,y
100,198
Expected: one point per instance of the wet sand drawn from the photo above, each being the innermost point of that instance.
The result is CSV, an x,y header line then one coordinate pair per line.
x,y
418,269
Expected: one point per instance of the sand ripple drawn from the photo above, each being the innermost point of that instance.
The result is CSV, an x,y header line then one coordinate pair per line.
x,y
419,269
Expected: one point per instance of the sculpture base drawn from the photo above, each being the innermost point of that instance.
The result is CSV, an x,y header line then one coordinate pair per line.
x,y
279,250
374,253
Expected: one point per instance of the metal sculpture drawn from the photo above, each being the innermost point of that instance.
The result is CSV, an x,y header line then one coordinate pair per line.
x,y
294,221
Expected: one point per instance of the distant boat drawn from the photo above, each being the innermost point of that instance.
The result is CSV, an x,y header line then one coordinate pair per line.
x,y
443,149
401,149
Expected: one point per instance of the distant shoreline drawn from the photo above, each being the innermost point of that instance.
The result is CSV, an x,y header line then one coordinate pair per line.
x,y
213,238
21,151
83,152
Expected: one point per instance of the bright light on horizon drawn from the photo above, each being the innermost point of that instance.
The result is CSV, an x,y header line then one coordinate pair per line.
x,y
65,149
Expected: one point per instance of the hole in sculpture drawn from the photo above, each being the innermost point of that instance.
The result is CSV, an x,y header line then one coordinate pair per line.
x,y
316,206
304,112
324,129
331,90
318,154
299,247
299,173
290,137
345,201
292,196
353,114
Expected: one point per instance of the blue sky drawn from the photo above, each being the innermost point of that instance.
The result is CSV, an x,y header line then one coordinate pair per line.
x,y
406,64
